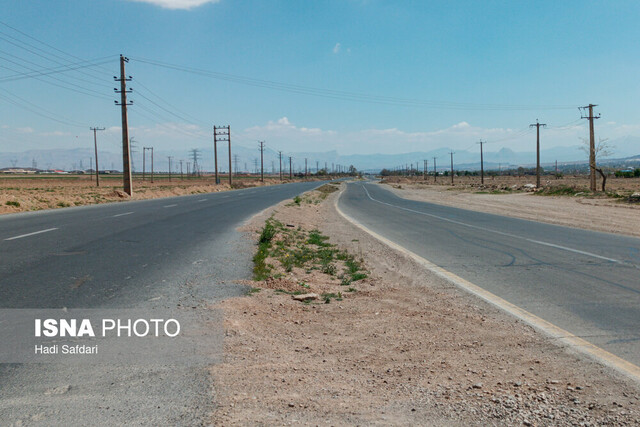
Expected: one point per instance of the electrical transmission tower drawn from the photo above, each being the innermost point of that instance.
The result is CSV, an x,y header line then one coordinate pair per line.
x,y
195,156
126,155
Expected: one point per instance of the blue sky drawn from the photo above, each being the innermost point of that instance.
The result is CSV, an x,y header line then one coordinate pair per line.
x,y
453,57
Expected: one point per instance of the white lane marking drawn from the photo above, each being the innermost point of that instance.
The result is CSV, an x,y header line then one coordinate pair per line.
x,y
31,234
122,214
170,206
202,200
566,337
498,232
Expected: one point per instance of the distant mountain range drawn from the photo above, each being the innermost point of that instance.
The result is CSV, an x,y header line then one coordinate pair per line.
x,y
246,159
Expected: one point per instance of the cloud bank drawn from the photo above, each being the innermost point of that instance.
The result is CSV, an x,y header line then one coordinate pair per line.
x,y
177,4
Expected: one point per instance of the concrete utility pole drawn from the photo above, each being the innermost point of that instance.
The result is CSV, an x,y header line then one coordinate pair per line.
x,y
592,147
481,163
221,134
262,161
290,170
95,146
126,155
181,176
169,157
435,170
305,166
451,167
317,167
537,125
235,162
215,155
425,172
280,156
151,164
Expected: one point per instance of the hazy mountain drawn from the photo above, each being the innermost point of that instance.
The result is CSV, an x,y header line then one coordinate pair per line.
x,y
246,159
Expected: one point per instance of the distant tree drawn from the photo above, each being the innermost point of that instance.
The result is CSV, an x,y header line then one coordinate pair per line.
x,y
603,148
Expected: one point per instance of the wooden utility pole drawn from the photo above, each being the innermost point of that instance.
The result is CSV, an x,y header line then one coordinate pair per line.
x,y
95,146
126,155
451,167
592,147
262,161
537,125
424,169
481,163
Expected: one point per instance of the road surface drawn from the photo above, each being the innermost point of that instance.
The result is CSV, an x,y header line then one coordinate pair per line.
x,y
585,282
162,252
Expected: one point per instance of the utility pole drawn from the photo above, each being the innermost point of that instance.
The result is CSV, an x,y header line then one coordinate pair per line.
x,y
592,146
451,167
305,167
169,157
317,167
262,161
424,169
280,156
537,125
435,170
481,164
95,146
221,134
188,169
181,176
126,155
290,170
235,162
151,165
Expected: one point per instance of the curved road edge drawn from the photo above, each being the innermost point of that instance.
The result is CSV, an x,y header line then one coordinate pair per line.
x,y
575,343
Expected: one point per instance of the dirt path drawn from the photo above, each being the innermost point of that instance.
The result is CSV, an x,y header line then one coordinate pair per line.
x,y
599,214
405,348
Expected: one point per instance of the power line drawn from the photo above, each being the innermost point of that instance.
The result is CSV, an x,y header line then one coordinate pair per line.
x,y
348,96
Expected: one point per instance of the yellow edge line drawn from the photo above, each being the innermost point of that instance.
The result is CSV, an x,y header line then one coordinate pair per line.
x,y
566,337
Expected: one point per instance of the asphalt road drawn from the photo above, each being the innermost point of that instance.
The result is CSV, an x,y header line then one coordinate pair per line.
x,y
153,253
119,254
585,282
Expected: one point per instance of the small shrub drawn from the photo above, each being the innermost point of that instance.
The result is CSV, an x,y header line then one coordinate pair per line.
x,y
12,203
297,200
64,204
358,276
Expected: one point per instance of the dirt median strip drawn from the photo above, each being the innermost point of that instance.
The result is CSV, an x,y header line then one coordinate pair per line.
x,y
406,347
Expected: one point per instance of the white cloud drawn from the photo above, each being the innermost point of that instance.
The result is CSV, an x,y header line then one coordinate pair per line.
x,y
177,4
336,48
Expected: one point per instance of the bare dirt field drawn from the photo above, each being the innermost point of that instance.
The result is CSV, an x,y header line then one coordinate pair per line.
x,y
398,347
32,193
580,209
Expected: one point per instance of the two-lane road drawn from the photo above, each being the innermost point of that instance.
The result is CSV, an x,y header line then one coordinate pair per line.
x,y
115,255
585,282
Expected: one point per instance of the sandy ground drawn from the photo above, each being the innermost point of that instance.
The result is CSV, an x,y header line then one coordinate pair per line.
x,y
20,194
407,348
592,213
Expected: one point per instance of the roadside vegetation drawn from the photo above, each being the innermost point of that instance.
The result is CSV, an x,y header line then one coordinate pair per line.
x,y
304,261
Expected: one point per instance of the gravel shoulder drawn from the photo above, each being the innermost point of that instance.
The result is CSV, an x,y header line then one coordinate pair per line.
x,y
405,348
599,214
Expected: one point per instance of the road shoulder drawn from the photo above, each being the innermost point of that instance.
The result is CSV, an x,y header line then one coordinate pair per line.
x,y
407,348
